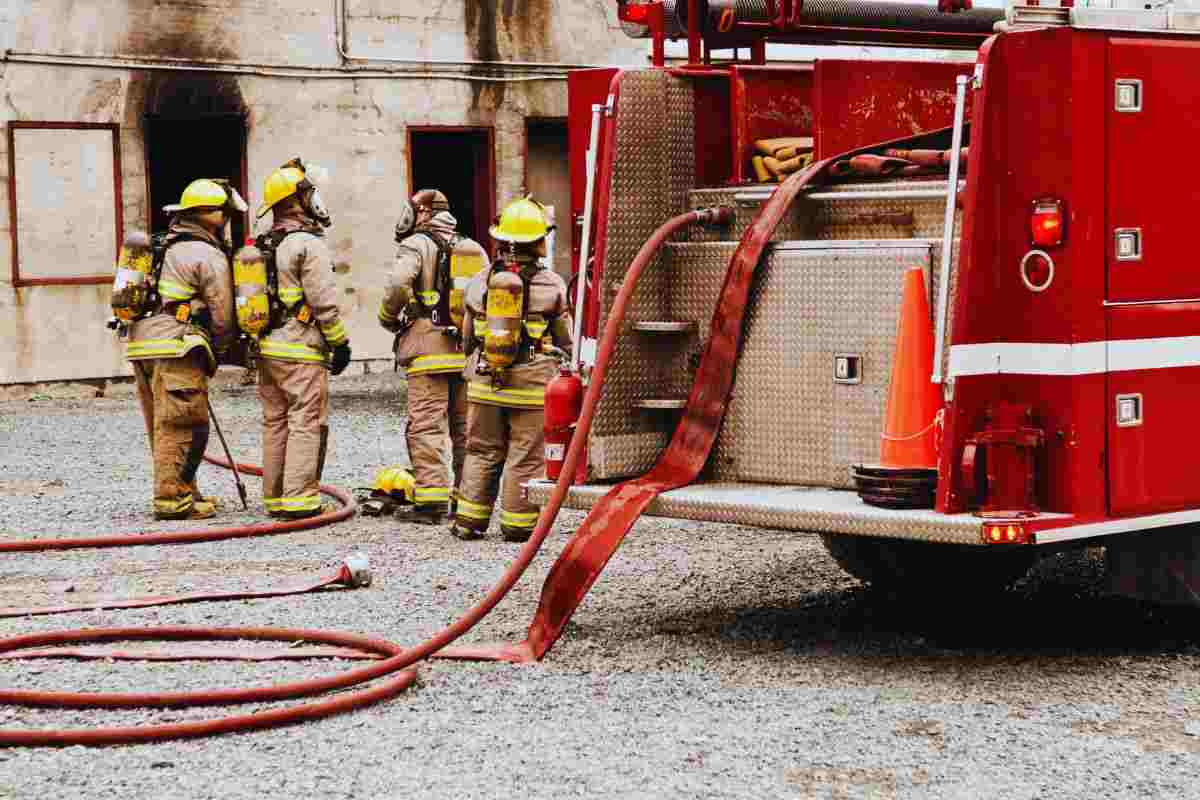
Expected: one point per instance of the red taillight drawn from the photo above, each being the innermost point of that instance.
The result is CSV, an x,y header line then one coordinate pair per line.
x,y
1004,533
635,12
1046,223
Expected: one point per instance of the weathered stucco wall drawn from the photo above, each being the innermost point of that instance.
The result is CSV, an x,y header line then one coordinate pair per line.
x,y
355,126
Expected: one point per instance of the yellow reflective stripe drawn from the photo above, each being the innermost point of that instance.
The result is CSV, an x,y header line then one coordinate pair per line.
x,y
290,294
482,392
514,520
154,348
536,329
292,352
465,508
432,494
480,327
166,348
177,506
335,333
306,502
384,316
429,298
443,362
175,291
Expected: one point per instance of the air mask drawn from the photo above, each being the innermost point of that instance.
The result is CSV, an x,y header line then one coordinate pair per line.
x,y
307,192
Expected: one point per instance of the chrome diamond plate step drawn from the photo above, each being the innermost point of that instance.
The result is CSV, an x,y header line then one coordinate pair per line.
x,y
794,508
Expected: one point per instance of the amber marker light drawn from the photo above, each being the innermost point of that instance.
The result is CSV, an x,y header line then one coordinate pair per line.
x,y
1046,223
1004,533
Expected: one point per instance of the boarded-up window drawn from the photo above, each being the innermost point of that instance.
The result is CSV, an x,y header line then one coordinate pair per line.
x,y
64,197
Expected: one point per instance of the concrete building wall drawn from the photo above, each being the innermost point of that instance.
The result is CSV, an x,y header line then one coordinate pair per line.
x,y
117,61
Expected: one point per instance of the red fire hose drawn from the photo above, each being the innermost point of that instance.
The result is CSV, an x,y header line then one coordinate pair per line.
x,y
196,534
589,550
397,660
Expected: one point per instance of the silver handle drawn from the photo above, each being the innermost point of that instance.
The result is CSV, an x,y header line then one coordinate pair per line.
x,y
585,242
943,304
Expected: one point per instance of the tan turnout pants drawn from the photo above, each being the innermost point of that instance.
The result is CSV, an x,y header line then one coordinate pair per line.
x,y
173,394
505,448
295,402
437,408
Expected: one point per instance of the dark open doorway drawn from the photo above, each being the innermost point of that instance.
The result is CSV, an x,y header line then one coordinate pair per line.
x,y
180,150
548,178
459,162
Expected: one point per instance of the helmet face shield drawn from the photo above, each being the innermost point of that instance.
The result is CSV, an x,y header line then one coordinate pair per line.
x,y
236,203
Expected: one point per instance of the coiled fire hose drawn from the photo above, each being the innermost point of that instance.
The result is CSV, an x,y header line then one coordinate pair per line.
x,y
568,582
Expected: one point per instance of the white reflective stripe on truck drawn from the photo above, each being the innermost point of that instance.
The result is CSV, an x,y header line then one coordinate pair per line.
x,y
1085,358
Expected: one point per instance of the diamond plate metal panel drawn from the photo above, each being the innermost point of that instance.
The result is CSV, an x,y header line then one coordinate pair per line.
x,y
653,171
788,422
630,453
792,508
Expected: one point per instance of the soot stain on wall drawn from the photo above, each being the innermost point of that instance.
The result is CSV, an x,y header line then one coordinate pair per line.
x,y
506,30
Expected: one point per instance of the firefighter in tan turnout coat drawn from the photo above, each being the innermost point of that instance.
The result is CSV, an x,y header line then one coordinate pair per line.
x,y
175,343
516,311
305,342
423,306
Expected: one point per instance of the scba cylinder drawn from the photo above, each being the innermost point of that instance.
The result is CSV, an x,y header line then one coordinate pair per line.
x,y
131,285
505,299
250,288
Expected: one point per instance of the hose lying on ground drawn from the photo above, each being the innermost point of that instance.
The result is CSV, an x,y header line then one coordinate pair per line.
x,y
395,664
195,535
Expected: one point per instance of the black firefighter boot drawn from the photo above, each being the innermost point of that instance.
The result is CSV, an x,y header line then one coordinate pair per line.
x,y
424,514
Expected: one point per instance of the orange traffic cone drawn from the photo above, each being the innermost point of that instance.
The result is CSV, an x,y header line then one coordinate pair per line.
x,y
908,435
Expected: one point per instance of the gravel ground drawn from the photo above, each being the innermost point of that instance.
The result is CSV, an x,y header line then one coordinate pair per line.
x,y
708,661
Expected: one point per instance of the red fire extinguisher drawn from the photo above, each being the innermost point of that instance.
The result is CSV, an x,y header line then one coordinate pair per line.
x,y
564,402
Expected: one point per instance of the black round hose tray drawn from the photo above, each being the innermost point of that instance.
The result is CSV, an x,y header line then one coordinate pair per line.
x,y
889,487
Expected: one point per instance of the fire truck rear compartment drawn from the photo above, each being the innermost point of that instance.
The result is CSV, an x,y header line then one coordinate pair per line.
x,y
828,290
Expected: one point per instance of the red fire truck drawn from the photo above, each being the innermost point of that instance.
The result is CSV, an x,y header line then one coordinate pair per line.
x,y
1065,312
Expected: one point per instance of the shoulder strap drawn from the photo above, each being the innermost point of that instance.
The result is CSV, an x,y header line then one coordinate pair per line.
x,y
441,275
160,243
269,242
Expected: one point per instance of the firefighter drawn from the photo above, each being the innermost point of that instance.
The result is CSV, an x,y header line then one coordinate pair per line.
x,y
175,346
517,320
306,341
423,306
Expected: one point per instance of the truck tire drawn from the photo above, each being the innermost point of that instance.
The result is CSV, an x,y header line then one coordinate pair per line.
x,y
910,567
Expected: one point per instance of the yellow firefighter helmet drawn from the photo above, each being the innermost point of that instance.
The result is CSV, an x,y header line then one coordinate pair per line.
x,y
202,193
397,482
522,221
283,182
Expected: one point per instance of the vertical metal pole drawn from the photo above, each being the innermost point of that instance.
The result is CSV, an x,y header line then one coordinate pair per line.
x,y
658,31
585,242
693,32
943,303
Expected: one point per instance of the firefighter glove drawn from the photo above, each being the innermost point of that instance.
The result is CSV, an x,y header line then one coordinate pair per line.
x,y
341,358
